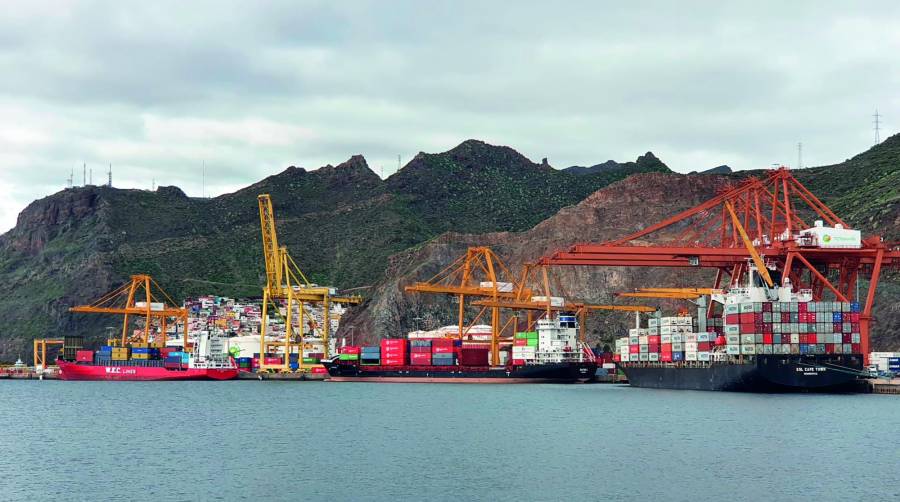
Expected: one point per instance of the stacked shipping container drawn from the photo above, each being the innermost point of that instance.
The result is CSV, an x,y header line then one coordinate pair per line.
x,y
792,328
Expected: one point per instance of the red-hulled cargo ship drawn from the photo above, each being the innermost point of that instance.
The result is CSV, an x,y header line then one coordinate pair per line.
x,y
142,362
69,370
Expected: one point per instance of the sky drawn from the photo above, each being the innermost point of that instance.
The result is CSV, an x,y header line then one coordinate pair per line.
x,y
214,96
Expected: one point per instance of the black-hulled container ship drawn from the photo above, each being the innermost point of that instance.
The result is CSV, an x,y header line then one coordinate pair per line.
x,y
767,340
551,354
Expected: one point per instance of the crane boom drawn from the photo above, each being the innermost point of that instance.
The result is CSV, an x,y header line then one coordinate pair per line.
x,y
271,251
757,259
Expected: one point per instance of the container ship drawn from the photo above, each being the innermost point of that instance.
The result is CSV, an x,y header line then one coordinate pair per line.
x,y
769,340
551,354
144,362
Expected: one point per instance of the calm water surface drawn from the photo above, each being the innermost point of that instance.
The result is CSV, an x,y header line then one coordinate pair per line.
x,y
355,441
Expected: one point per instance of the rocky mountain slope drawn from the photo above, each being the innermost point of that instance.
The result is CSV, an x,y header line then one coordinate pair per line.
x,y
342,223
863,190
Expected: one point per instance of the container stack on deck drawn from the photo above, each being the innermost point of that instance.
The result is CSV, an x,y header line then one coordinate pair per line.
x,y
792,328
667,339
524,350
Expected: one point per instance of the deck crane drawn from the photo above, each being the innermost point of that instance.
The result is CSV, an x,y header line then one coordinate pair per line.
x,y
286,283
772,209
143,298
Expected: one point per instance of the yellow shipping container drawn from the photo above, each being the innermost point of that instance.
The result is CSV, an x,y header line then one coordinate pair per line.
x,y
140,356
139,345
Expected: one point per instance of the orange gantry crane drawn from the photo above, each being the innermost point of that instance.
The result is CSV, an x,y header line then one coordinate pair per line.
x,y
479,274
141,298
482,277
286,284
771,210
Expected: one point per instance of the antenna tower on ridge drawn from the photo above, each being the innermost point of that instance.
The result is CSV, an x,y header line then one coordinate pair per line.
x,y
877,121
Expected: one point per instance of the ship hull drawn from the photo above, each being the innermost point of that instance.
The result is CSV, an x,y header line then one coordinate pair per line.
x,y
545,373
80,371
767,373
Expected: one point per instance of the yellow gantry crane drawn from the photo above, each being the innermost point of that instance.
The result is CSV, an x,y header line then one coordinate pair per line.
x,y
286,283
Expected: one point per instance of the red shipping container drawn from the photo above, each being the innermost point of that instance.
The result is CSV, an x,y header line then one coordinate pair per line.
x,y
767,307
847,338
802,307
666,357
274,360
350,349
420,350
616,358
767,338
653,347
748,329
829,348
393,362
475,357
856,348
746,317
854,327
636,349
442,349
518,362
393,342
653,339
520,342
419,358
786,317
318,370
854,317
666,348
767,329
732,318
703,346
444,342
84,356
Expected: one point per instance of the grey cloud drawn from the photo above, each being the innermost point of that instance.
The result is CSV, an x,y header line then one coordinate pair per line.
x,y
249,88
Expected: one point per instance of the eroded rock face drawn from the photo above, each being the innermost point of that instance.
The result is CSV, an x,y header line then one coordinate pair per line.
x,y
43,219
617,210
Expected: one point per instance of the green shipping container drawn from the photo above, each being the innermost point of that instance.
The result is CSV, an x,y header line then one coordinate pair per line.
x,y
349,357
532,342
312,360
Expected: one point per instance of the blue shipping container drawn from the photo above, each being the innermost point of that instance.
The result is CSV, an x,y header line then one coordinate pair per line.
x,y
854,306
678,356
420,343
837,317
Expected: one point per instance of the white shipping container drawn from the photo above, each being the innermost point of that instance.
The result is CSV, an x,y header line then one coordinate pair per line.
x,y
677,347
654,356
690,356
153,305
690,337
644,357
677,338
665,338
733,349
748,349
795,338
733,339
555,301
704,337
703,356
644,339
503,287
690,346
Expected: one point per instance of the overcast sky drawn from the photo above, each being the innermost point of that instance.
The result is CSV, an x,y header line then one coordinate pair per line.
x,y
158,88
